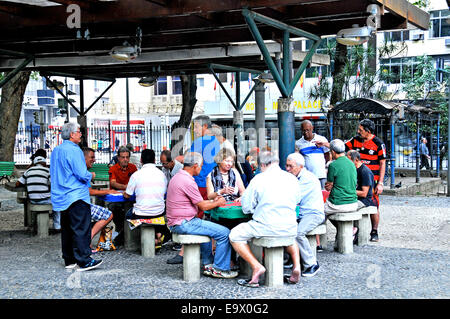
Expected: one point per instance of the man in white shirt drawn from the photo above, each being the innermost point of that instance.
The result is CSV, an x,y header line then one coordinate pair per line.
x,y
149,185
315,156
170,166
311,213
271,197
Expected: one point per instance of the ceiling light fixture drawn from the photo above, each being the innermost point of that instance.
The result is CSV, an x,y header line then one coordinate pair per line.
x,y
128,51
265,78
148,81
58,84
358,35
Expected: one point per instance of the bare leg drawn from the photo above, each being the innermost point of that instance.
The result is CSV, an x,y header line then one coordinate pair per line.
x,y
243,249
98,226
375,218
295,255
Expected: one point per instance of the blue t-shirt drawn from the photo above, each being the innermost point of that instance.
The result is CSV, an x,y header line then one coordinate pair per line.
x,y
208,146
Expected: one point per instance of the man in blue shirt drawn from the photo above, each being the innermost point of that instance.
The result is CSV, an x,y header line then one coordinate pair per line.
x,y
311,210
424,154
70,182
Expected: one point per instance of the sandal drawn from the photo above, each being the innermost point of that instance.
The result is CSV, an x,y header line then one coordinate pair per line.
x,y
355,236
287,279
247,283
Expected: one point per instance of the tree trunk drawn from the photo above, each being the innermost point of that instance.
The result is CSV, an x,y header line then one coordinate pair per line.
x,y
179,128
340,59
10,108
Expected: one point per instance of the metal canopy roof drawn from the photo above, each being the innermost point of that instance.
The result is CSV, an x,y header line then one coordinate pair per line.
x,y
177,35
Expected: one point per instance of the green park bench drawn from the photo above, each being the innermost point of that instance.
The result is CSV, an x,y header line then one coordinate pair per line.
x,y
101,172
6,170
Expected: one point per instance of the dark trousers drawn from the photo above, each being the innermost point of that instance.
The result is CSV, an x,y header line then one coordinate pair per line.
x,y
119,210
76,233
424,161
230,224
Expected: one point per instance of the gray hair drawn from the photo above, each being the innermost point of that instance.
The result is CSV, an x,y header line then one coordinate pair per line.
x,y
124,149
354,155
69,128
192,158
267,158
297,158
337,146
203,120
216,130
304,122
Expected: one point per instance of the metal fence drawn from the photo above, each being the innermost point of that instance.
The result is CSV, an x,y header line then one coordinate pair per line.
x,y
104,139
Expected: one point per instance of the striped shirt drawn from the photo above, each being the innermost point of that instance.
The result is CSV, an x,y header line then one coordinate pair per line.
x,y
37,181
149,184
314,156
371,151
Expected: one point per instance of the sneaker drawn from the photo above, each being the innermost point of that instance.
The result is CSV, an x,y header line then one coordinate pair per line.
x,y
207,270
71,266
319,249
90,265
374,235
288,265
311,271
176,247
226,274
175,260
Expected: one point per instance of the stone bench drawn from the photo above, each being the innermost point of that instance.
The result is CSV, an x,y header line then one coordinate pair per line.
x,y
344,231
42,213
311,236
147,240
273,257
364,225
191,255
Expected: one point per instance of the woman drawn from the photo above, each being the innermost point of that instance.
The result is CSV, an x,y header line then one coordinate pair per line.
x,y
224,179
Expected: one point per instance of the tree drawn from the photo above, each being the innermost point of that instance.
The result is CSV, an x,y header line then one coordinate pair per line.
x,y
179,128
10,108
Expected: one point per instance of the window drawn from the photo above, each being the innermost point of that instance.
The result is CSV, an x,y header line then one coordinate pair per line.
x,y
161,86
440,23
176,85
397,70
396,36
200,82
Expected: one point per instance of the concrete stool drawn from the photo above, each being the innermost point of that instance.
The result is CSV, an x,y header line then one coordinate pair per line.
x,y
132,238
319,230
364,224
273,257
191,256
147,240
42,218
344,235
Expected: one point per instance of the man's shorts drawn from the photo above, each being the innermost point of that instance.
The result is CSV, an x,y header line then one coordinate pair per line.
x,y
99,213
244,232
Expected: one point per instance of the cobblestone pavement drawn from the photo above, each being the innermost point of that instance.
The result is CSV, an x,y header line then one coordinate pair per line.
x,y
411,260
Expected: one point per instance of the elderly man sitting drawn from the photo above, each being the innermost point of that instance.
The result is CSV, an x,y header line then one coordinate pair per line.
x,y
271,197
182,204
311,210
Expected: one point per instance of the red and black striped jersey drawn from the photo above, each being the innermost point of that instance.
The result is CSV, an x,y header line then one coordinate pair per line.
x,y
371,151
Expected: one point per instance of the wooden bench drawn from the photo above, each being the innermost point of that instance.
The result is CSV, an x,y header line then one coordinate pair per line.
x,y
42,212
273,257
191,255
311,236
6,170
344,235
364,225
101,171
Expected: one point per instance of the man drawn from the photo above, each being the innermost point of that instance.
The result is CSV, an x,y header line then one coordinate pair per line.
x,y
315,156
119,175
70,182
424,154
373,154
149,185
311,213
364,180
271,197
182,205
101,215
341,183
207,146
170,166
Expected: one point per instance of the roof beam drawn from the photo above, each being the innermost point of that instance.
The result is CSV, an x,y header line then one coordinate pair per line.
x,y
408,11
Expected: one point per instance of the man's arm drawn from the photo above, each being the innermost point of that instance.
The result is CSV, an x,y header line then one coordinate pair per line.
x,y
379,188
211,203
363,193
116,185
102,192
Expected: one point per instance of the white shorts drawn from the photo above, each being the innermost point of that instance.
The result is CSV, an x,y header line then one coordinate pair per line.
x,y
331,208
244,232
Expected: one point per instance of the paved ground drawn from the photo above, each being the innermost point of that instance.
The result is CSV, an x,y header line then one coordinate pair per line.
x,y
410,261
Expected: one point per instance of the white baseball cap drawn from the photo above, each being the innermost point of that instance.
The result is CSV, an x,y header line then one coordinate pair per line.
x,y
39,159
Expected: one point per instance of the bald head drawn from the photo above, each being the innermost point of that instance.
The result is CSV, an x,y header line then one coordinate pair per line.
x,y
307,130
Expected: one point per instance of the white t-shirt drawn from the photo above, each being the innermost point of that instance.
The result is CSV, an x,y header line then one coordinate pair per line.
x,y
314,156
150,185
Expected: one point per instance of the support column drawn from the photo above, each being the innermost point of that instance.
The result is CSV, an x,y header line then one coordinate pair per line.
x,y
438,146
238,125
260,114
81,118
418,148
392,151
286,125
128,112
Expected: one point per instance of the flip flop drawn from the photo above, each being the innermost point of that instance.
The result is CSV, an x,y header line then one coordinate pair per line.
x,y
247,283
287,279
